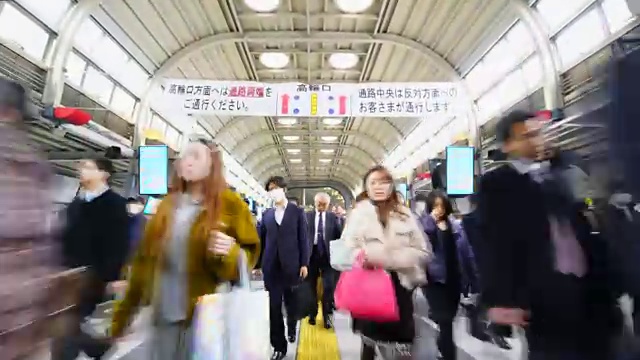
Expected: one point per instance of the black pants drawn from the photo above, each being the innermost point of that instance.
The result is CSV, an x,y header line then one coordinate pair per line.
x,y
443,306
69,345
319,267
276,323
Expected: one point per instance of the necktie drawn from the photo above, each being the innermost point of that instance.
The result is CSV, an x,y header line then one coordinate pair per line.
x,y
320,232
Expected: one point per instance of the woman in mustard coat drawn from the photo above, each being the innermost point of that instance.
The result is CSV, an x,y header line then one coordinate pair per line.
x,y
190,246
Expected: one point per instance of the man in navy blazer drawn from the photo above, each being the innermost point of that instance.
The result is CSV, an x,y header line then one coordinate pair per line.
x,y
283,261
324,227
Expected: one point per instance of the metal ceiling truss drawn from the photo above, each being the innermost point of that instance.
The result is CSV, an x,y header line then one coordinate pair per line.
x,y
274,165
83,8
307,159
304,146
343,189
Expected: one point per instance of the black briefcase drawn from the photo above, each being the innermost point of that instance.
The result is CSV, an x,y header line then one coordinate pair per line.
x,y
304,300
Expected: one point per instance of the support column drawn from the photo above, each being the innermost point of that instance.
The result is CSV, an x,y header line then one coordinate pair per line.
x,y
548,55
73,19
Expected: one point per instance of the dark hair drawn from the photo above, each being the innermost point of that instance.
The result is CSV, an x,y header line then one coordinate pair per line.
x,y
506,123
138,199
12,96
362,196
438,194
392,204
277,181
106,165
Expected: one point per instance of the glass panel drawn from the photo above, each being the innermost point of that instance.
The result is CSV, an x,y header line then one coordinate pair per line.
x,y
500,59
49,12
123,103
511,89
88,36
520,40
17,28
109,56
478,79
579,38
76,68
158,124
133,77
172,137
98,85
617,13
489,105
556,13
532,72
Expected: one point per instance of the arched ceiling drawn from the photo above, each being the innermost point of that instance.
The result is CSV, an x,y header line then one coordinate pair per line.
x,y
396,41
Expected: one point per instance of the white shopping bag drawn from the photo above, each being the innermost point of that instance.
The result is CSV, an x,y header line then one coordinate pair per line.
x,y
233,325
341,255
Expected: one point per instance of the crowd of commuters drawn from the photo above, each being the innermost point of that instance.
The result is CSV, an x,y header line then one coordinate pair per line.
x,y
529,253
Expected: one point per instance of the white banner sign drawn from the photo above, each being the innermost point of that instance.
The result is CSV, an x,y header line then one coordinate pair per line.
x,y
234,98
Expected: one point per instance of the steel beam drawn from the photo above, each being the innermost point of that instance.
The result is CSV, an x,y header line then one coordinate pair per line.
x,y
344,190
71,23
74,155
549,57
274,164
256,160
305,147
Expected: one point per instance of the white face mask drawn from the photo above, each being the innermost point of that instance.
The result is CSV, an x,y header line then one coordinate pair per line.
x,y
135,208
277,195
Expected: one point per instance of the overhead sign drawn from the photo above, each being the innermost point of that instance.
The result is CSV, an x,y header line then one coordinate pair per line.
x,y
234,98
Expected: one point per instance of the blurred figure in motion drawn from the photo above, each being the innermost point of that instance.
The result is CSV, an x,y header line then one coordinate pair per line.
x,y
137,221
452,270
323,227
284,262
95,236
390,237
28,265
546,270
190,245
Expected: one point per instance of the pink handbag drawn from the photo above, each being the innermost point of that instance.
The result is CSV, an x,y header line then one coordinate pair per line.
x,y
367,294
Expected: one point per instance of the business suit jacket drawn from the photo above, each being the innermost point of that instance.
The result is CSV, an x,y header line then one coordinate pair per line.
x,y
286,247
518,269
332,228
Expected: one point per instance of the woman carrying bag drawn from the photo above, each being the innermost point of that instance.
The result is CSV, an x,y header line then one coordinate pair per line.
x,y
384,234
190,246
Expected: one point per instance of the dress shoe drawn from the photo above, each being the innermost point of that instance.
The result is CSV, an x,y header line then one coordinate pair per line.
x,y
278,355
312,320
328,322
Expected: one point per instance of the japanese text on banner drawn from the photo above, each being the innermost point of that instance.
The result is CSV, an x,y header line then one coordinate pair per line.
x,y
220,97
405,99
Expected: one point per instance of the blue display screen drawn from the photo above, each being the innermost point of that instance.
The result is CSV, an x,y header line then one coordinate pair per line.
x,y
460,170
151,206
153,174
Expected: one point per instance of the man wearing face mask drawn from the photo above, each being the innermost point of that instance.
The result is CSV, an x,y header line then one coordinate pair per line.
x,y
137,221
284,261
96,236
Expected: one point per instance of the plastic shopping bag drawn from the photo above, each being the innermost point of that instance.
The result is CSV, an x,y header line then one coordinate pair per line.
x,y
340,255
367,294
233,325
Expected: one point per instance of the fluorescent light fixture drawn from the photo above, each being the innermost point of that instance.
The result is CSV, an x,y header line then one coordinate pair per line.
x,y
274,60
353,6
295,160
287,121
329,138
327,151
332,121
343,61
325,160
291,138
293,151
262,5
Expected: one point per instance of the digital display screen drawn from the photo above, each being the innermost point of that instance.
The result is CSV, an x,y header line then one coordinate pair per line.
x,y
460,166
403,189
153,174
151,206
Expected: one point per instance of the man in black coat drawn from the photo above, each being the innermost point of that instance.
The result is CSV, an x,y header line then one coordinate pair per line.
x,y
544,267
323,227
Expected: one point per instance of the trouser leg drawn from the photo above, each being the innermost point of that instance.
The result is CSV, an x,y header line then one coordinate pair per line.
x,y
328,287
290,305
276,321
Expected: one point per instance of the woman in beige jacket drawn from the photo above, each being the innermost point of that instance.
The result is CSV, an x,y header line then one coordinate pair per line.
x,y
390,237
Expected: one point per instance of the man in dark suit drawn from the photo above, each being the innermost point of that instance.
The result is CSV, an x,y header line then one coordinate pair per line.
x,y
284,261
543,266
324,227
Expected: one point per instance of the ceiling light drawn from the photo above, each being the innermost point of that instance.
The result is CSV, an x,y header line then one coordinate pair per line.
x,y
343,61
329,138
327,151
295,160
353,6
262,5
291,138
293,151
325,160
287,121
274,60
332,121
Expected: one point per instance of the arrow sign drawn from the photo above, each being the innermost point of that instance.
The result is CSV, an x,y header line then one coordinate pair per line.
x,y
284,109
